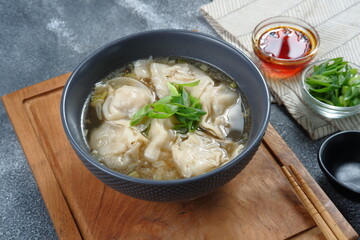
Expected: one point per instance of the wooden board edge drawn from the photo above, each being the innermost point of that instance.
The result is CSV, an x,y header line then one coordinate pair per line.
x,y
63,221
285,156
13,103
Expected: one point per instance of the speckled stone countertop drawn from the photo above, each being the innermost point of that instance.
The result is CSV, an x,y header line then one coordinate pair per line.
x,y
42,39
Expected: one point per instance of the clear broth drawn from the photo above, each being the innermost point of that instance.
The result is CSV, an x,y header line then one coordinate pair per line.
x,y
239,115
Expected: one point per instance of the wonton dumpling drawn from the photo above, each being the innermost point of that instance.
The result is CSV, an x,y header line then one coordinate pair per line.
x,y
197,155
178,73
205,82
216,101
141,68
119,147
160,135
124,102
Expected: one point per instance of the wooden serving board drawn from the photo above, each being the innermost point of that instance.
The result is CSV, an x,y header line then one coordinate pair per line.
x,y
258,204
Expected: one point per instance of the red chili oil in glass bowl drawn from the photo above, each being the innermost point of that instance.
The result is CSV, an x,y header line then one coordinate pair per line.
x,y
284,45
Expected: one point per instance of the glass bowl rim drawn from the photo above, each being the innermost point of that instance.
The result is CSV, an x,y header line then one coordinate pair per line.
x,y
287,20
306,72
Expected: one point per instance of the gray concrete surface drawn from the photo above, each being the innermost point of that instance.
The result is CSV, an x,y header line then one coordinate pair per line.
x,y
42,39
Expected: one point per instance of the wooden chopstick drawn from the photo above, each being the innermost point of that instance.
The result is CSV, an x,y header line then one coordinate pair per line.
x,y
321,209
310,207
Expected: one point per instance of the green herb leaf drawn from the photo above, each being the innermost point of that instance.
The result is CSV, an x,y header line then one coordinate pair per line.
x,y
185,97
173,90
159,115
166,99
140,115
186,108
190,84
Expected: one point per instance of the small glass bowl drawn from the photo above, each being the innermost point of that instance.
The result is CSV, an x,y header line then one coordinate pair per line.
x,y
280,67
326,110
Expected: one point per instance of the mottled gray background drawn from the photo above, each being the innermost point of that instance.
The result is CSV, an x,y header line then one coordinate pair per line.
x,y
43,39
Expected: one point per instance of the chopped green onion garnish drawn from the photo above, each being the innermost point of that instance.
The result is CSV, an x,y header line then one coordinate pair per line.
x,y
335,82
186,108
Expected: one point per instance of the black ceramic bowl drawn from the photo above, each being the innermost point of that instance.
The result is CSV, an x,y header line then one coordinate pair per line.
x,y
162,43
339,159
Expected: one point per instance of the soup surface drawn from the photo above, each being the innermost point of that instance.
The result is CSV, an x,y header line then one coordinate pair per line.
x,y
166,119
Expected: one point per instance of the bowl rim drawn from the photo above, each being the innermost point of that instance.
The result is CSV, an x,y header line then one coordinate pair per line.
x,y
91,160
324,168
277,20
308,70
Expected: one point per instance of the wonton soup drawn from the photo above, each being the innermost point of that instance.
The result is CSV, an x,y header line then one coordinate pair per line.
x,y
166,118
